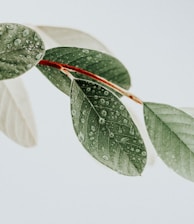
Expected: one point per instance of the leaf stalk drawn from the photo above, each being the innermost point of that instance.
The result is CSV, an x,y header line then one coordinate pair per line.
x,y
67,69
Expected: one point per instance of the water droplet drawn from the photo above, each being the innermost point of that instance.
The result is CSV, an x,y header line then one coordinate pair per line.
x,y
17,42
106,93
124,140
144,161
121,107
99,55
29,66
96,97
81,137
73,112
125,121
10,26
102,101
105,157
26,32
144,153
91,133
101,120
111,135
89,58
88,89
120,131
137,150
103,113
132,131
38,56
85,51
93,128
35,37
84,112
82,120
9,46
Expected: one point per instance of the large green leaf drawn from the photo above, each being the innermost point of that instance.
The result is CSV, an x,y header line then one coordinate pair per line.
x,y
21,48
105,128
172,134
96,62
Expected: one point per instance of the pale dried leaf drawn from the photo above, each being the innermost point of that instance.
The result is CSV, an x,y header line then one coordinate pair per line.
x,y
16,118
60,36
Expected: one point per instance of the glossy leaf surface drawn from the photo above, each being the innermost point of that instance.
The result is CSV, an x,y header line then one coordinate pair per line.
x,y
106,129
93,61
21,48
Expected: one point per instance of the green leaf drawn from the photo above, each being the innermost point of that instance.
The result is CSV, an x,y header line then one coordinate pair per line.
x,y
21,48
105,128
172,134
96,62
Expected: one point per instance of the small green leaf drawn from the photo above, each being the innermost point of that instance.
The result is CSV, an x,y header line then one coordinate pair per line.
x,y
172,134
105,128
21,48
96,62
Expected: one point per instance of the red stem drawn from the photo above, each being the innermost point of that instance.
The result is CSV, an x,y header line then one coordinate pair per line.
x,y
65,68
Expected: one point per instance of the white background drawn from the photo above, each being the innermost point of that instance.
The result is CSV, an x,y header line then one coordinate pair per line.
x,y
58,181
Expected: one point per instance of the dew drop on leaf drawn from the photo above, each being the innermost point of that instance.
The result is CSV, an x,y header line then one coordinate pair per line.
x,y
105,157
81,137
103,113
73,112
111,135
121,107
106,93
93,128
26,32
17,42
29,66
144,153
102,101
38,56
124,140
88,89
10,26
101,120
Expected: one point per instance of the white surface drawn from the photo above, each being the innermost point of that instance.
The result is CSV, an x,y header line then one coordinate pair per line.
x,y
58,181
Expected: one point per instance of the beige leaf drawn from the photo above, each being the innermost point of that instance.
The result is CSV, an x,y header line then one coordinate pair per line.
x,y
59,36
16,118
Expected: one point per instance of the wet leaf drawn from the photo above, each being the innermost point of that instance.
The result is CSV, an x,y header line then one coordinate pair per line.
x,y
16,117
21,48
172,133
96,62
105,128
